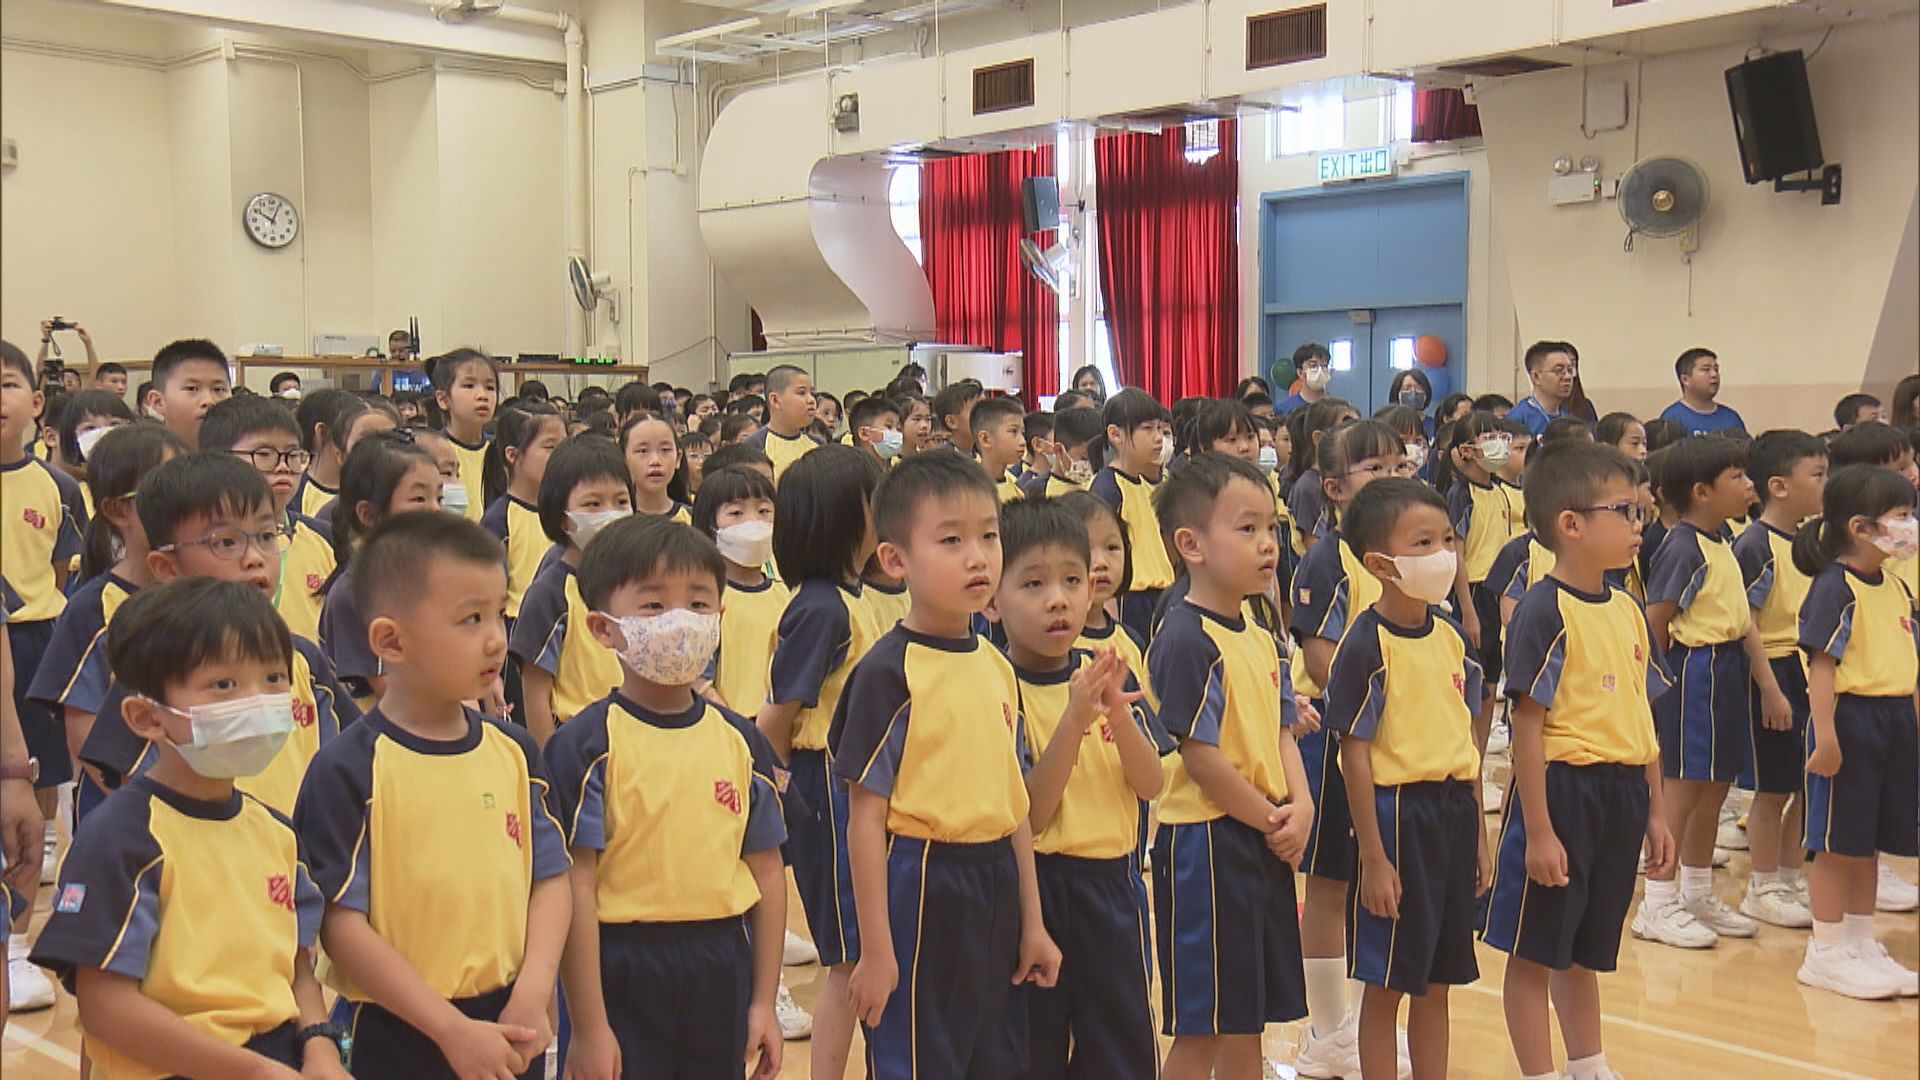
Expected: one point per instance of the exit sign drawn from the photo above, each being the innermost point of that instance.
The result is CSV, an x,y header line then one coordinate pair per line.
x,y
1356,164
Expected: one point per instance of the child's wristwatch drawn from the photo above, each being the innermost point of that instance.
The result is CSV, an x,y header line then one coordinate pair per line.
x,y
333,1033
28,770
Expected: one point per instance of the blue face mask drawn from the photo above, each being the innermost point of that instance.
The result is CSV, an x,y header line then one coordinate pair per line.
x,y
1413,398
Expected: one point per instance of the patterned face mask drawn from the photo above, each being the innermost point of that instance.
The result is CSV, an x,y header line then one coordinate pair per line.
x,y
671,649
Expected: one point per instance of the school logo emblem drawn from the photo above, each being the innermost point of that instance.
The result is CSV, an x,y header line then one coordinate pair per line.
x,y
1306,597
1006,713
314,581
513,829
1106,732
727,795
1459,684
304,714
33,518
280,891
1607,683
486,799
1275,674
72,897
1906,624
1639,653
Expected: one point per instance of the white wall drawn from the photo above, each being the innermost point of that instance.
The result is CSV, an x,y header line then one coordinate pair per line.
x,y
1792,294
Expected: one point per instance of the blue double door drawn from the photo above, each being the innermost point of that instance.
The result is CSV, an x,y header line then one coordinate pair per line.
x,y
1366,269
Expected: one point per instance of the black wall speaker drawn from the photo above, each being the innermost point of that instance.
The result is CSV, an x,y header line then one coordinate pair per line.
x,y
1773,116
1040,204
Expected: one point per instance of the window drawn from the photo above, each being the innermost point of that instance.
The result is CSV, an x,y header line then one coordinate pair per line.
x,y
903,198
1203,141
1341,352
1402,112
1310,126
1400,353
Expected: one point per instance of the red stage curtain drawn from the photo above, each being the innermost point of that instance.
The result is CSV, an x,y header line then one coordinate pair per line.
x,y
1439,115
970,232
1170,261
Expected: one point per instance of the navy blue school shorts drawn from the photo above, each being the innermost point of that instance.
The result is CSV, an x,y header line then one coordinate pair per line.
x,y
955,911
386,1047
1704,731
1227,929
1330,852
1429,831
1777,760
43,725
817,848
282,1045
677,996
1599,813
1098,1021
1872,804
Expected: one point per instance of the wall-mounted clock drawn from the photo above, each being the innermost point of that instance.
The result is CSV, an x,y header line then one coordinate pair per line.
x,y
270,220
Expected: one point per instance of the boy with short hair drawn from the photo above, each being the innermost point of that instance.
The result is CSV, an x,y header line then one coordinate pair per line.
x,y
184,920
1066,467
938,839
1412,770
873,425
1039,434
258,431
1697,606
112,378
427,828
789,410
1138,435
1789,473
1699,373
953,413
190,376
1092,759
1856,409
675,827
1236,809
999,439
285,385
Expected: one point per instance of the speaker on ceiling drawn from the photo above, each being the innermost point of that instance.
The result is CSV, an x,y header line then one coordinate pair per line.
x,y
1773,116
1040,204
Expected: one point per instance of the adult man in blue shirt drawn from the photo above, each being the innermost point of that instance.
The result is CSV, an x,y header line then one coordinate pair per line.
x,y
1314,365
1551,367
1699,374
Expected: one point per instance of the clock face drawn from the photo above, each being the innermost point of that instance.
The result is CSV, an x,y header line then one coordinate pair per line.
x,y
270,220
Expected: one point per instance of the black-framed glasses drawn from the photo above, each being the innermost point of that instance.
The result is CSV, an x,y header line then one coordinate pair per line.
x,y
267,459
1635,513
229,543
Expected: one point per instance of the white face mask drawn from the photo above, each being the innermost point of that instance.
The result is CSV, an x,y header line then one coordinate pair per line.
x,y
1426,578
1316,378
453,497
671,649
1269,460
746,543
1901,539
588,523
235,738
291,393
86,441
1417,455
1494,452
1166,452
889,445
1080,472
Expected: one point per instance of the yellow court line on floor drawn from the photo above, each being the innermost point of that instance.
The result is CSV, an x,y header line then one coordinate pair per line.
x,y
1702,1040
35,1044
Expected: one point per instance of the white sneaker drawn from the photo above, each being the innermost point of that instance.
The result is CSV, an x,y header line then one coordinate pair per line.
x,y
28,988
1723,920
1904,977
1801,892
1731,836
1498,740
1671,924
1895,894
1776,903
798,951
1848,970
1491,798
796,1023
1338,1054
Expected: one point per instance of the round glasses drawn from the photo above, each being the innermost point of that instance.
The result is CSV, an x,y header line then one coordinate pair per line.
x,y
229,543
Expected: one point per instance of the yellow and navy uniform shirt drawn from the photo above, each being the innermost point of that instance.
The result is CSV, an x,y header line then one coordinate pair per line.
x,y
1867,624
1485,517
1120,638
204,904
1330,588
1519,567
1307,508
437,842
1589,660
1385,687
73,672
932,725
781,449
1052,485
889,604
472,458
310,496
343,635
1008,489
1099,814
41,522
1776,589
680,512
304,570
749,626
1907,570
1132,498
1698,573
517,525
673,804
552,635
1219,681
826,630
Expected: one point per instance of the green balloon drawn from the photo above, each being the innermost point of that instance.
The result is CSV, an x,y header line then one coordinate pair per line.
x,y
1282,374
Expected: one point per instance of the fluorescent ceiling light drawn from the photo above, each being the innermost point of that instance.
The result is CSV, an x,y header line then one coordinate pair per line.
x,y
817,7
702,34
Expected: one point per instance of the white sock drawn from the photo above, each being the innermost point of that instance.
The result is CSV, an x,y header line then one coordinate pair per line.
x,y
1587,1068
1792,875
1829,934
1660,893
17,946
1859,929
1762,877
1696,882
1326,993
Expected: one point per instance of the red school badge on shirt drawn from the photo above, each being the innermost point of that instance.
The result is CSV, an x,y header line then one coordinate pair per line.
x,y
304,714
280,891
33,517
727,795
314,581
1459,684
513,828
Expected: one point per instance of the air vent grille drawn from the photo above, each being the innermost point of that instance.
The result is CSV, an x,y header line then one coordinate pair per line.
x,y
1003,87
1286,37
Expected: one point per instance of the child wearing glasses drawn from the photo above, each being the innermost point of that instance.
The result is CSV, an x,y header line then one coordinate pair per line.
x,y
257,430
